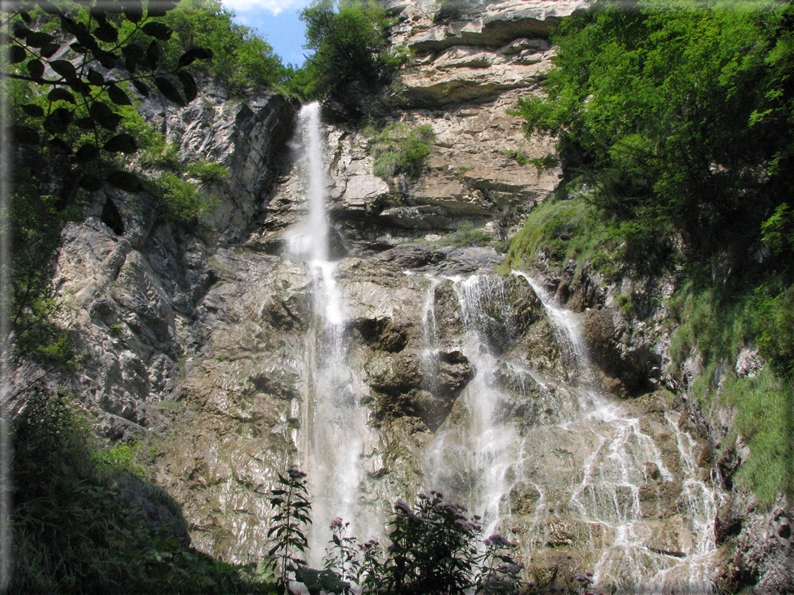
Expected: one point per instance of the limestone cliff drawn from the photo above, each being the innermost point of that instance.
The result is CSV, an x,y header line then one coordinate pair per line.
x,y
201,344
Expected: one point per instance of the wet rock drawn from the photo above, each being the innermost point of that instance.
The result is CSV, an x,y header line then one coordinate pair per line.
x,y
395,375
658,499
610,343
522,499
671,537
383,334
729,520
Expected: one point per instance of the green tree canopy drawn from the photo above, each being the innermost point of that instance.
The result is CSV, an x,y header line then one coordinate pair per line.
x,y
677,115
241,60
351,58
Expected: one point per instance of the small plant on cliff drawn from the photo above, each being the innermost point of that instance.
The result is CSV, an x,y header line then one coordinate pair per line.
x,y
292,517
400,149
467,235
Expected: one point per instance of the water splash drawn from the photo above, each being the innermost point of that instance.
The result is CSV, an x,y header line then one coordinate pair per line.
x,y
474,463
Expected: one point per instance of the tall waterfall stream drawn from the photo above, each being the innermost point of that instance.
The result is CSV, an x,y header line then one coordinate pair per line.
x,y
546,459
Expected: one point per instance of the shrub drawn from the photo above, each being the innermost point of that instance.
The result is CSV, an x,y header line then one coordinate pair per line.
x,y
351,60
432,548
82,519
181,200
400,149
289,523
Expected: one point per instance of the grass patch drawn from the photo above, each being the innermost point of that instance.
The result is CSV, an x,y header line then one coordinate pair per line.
x,y
467,235
719,325
562,230
764,410
520,156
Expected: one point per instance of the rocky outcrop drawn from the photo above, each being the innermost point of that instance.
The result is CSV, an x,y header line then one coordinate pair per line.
x,y
248,137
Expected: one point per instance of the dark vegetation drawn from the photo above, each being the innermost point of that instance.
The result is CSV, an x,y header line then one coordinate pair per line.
x,y
433,550
675,123
351,61
87,519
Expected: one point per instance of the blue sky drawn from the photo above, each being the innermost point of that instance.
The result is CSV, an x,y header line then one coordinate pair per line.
x,y
277,22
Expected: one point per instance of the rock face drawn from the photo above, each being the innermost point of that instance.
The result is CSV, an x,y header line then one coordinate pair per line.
x,y
211,346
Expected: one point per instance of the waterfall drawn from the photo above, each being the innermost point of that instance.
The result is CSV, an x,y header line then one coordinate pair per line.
x,y
532,446
333,421
608,494
474,463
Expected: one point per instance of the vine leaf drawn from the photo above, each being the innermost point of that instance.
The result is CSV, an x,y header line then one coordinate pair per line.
x,y
64,68
58,121
87,152
158,31
188,85
169,91
124,180
192,55
118,96
141,87
121,143
33,110
104,116
16,54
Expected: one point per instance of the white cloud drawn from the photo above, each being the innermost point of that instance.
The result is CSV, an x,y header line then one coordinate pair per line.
x,y
274,6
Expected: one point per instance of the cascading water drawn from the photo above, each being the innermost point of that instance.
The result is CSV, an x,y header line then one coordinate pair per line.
x,y
635,553
471,463
333,423
583,460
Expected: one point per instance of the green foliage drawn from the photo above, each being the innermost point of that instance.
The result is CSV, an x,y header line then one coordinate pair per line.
x,y
79,524
676,119
400,149
241,62
119,457
35,238
181,200
351,60
292,507
718,324
342,555
520,156
499,573
677,115
467,235
562,230
432,548
777,232
764,420
773,322
207,172
73,110
372,570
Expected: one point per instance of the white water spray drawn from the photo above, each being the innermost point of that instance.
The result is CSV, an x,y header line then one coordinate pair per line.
x,y
608,495
334,423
